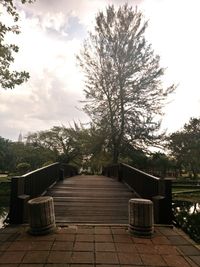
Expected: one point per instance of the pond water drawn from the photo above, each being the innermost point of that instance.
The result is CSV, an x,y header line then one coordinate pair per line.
x,y
3,215
187,217
4,201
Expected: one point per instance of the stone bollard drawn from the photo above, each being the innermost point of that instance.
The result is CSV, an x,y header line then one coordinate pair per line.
x,y
41,215
141,217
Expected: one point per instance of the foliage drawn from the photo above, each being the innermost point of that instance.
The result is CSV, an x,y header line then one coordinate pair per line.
x,y
13,153
5,154
78,145
61,141
124,93
185,146
8,77
23,167
159,164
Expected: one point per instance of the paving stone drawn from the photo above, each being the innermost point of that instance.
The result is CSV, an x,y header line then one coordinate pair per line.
x,y
11,257
4,237
106,257
89,230
141,240
65,237
31,265
9,230
122,238
41,245
125,247
102,230
166,249
119,231
67,230
59,257
25,236
49,237
84,238
175,260
9,265
146,249
20,246
129,258
83,246
101,246
36,257
191,262
62,245
160,240
56,265
83,257
178,240
196,259
189,250
104,247
103,238
152,259
167,231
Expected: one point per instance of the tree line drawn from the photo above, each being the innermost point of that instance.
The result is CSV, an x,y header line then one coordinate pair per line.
x,y
88,148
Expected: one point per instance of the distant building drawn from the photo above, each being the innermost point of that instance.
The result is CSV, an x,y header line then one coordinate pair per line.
x,y
20,138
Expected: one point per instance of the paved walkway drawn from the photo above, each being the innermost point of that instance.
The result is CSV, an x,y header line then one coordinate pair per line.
x,y
103,246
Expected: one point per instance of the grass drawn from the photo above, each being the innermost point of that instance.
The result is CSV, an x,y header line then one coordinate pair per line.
x,y
4,178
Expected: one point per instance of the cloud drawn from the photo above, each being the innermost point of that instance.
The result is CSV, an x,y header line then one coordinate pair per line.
x,y
52,33
45,105
51,97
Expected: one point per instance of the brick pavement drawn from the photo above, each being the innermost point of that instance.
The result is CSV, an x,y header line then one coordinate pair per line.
x,y
103,246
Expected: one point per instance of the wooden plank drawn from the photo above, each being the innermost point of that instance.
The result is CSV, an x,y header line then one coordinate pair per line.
x,y
91,199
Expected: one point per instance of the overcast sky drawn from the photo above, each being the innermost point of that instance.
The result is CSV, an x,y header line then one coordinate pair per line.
x,y
52,32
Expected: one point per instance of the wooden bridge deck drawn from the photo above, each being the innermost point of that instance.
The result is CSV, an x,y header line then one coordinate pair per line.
x,y
91,199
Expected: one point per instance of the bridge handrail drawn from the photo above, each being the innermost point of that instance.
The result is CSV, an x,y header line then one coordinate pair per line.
x,y
33,184
146,186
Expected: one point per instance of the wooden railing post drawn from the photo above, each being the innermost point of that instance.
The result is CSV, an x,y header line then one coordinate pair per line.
x,y
120,172
61,174
18,201
168,200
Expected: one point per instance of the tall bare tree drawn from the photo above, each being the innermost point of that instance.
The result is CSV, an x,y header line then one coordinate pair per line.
x,y
124,92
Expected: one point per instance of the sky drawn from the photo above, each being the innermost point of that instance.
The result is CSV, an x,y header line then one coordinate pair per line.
x,y
52,34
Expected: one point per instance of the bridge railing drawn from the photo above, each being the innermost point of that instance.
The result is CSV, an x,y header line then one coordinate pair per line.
x,y
146,186
34,184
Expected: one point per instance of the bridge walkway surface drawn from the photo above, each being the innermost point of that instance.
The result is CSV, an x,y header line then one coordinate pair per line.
x,y
91,199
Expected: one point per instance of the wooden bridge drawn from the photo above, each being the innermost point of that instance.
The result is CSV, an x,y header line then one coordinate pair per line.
x,y
90,199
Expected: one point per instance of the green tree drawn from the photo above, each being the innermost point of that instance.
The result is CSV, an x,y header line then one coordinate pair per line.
x,y
8,77
124,93
6,155
185,146
62,141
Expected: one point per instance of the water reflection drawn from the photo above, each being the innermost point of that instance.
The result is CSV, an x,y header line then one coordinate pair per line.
x,y
4,201
3,215
187,216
